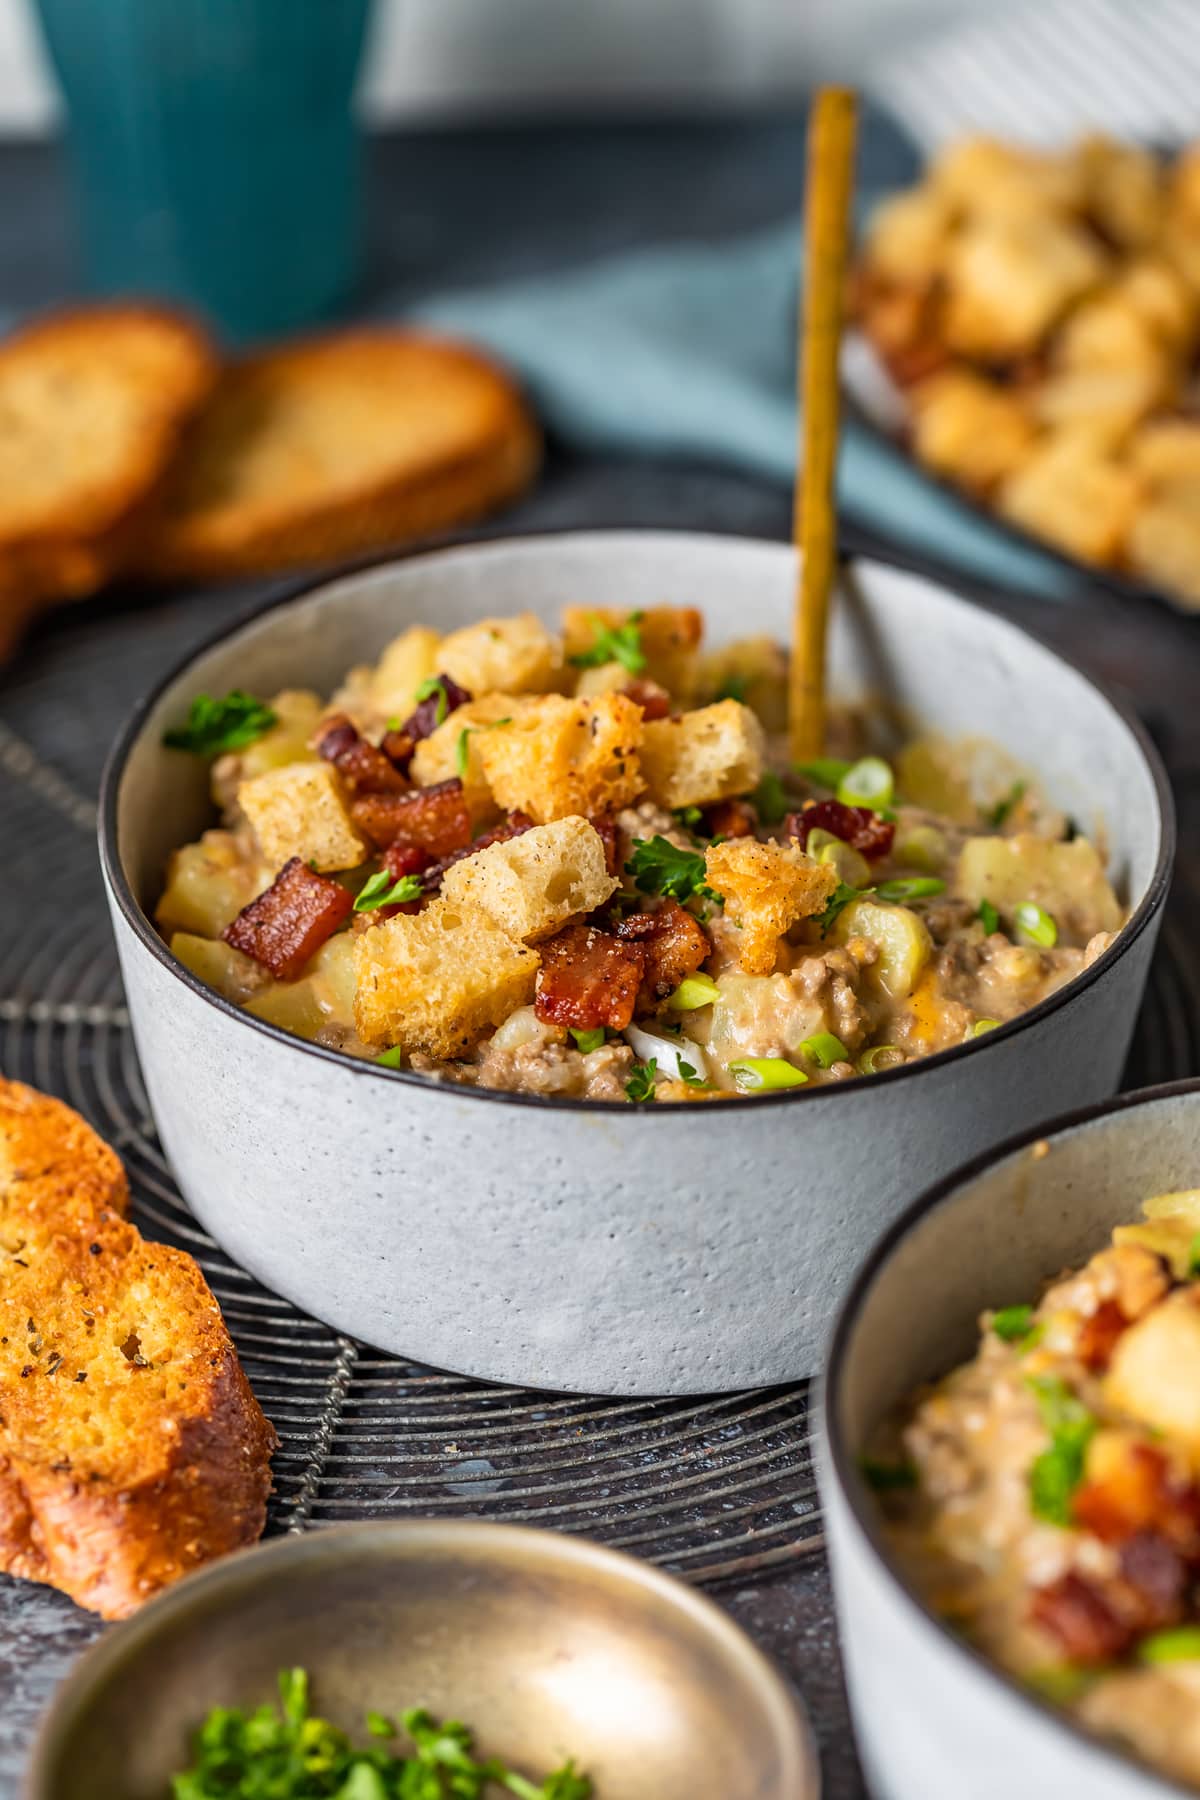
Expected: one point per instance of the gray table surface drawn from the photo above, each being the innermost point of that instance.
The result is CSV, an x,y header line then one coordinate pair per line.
x,y
471,205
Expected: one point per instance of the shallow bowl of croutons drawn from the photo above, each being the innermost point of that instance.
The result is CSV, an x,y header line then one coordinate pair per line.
x,y
1010,1439
509,1000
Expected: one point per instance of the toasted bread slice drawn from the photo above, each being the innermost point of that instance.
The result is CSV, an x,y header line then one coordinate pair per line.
x,y
131,1446
92,407
340,444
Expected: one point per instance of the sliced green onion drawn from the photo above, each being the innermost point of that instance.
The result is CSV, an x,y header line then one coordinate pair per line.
x,y
694,991
880,1057
826,771
824,1049
981,1026
1034,923
1182,1644
852,867
1193,1262
924,847
868,783
1012,1322
755,1074
989,918
390,1059
588,1040
916,887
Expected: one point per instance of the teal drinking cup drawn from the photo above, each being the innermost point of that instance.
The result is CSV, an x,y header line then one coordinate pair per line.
x,y
214,152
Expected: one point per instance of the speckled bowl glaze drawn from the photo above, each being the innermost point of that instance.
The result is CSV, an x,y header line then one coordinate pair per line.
x,y
932,1716
547,1645
563,1244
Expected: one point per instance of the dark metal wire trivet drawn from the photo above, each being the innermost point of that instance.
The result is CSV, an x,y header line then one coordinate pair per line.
x,y
711,1488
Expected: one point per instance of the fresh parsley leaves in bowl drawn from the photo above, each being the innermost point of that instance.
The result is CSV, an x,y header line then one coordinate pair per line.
x,y
380,1080
584,1675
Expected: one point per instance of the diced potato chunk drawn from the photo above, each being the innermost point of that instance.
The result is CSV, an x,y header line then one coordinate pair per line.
x,y
560,757
220,965
761,1015
903,941
292,1005
209,882
331,973
512,656
669,638
710,754
1067,879
438,757
532,884
1154,1375
436,980
407,661
300,811
767,888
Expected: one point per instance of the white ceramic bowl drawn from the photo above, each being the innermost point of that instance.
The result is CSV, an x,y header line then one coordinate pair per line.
x,y
564,1244
932,1716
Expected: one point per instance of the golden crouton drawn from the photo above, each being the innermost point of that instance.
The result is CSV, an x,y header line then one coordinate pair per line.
x,y
1158,292
710,754
983,178
1009,281
1166,451
1106,331
1154,1375
1100,407
1124,191
969,428
440,756
438,979
299,811
406,662
766,889
560,757
532,884
1164,540
511,656
754,670
1074,496
668,637
907,234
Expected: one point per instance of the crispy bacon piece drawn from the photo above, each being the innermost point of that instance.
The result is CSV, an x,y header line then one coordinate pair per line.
x,y
363,768
1135,1494
1156,1577
1098,1335
513,826
858,826
1078,1616
730,819
288,923
588,978
436,819
402,858
398,747
605,827
434,709
675,945
654,701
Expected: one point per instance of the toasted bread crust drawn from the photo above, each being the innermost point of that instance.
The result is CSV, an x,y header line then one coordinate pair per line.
x,y
179,1472
73,535
261,488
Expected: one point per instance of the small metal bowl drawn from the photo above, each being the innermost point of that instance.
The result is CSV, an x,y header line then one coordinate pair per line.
x,y
548,1646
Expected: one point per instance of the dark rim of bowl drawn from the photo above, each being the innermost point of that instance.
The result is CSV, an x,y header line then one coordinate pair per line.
x,y
865,1512
227,1577
143,929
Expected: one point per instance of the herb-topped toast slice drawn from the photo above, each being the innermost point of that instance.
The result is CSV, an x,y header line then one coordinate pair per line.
x,y
336,445
131,1446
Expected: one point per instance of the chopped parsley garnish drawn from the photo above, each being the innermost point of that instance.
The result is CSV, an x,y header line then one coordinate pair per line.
x,y
462,748
835,906
614,643
660,867
1012,1322
989,918
640,1085
433,684
690,817
733,688
999,814
284,1754
825,771
588,1040
886,1477
214,726
390,1059
914,887
381,890
770,800
1193,1256
1057,1472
